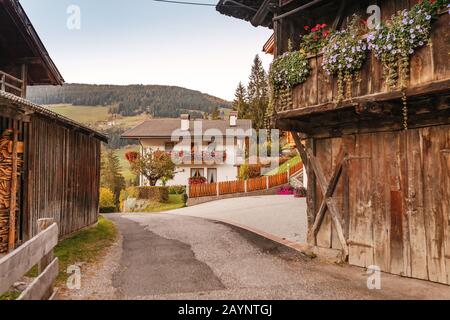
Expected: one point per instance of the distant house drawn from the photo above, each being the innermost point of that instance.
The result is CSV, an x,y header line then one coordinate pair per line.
x,y
156,135
49,165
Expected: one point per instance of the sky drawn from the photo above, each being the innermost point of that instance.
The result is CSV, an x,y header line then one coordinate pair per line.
x,y
148,42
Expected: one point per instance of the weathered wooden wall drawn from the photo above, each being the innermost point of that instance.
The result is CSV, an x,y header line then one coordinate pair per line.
x,y
62,176
394,200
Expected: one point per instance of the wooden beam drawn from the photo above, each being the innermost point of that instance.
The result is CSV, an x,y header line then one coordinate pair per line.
x,y
24,81
331,203
338,21
42,287
300,148
341,158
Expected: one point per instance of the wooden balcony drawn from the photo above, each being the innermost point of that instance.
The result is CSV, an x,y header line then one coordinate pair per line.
x,y
430,76
11,84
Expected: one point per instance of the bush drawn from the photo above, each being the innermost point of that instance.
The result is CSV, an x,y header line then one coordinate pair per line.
x,y
300,192
177,189
106,198
157,194
249,171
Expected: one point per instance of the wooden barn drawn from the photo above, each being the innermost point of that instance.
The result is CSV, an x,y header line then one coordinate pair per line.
x,y
378,193
49,165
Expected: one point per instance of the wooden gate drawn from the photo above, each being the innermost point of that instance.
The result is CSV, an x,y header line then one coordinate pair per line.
x,y
383,199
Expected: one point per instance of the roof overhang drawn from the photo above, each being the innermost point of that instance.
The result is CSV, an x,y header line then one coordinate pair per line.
x,y
257,12
20,44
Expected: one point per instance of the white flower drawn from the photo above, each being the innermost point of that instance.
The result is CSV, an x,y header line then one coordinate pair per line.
x,y
428,17
421,43
411,51
413,36
411,21
389,46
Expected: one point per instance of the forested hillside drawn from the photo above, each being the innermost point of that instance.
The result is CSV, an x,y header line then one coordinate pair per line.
x,y
159,101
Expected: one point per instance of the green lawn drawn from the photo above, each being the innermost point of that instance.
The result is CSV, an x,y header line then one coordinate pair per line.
x,y
284,167
85,114
176,201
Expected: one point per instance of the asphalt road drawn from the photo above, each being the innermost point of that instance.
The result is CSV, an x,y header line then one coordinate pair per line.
x,y
166,256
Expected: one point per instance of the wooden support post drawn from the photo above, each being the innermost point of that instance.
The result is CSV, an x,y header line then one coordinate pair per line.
x,y
24,80
246,186
217,189
301,149
3,82
267,183
13,190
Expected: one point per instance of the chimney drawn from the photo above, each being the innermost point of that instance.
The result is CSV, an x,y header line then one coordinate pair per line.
x,y
185,122
233,118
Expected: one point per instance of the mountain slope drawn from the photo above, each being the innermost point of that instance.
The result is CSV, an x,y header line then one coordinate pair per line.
x,y
159,101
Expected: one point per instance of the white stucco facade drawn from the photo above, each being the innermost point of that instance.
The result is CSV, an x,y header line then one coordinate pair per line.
x,y
218,171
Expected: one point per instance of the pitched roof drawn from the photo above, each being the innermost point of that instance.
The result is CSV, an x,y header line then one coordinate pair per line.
x,y
26,106
21,44
163,128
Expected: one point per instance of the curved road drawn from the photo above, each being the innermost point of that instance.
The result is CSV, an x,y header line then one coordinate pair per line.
x,y
168,256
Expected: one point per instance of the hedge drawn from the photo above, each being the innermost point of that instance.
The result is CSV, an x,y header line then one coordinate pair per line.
x,y
157,194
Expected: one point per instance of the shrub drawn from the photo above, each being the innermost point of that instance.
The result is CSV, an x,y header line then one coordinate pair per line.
x,y
285,191
300,192
249,171
157,194
107,209
106,198
177,189
130,192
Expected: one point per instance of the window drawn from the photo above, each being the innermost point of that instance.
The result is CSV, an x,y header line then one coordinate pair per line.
x,y
197,172
212,175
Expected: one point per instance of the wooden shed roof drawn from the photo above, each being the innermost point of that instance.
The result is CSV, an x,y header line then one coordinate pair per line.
x,y
254,11
29,108
20,44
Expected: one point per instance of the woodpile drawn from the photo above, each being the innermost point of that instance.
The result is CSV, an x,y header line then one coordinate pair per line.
x,y
6,170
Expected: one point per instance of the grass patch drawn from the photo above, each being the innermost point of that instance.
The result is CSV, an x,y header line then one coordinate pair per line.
x,y
84,247
124,164
176,201
84,114
13,295
284,167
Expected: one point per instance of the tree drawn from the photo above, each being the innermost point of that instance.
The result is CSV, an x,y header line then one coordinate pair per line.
x,y
257,92
240,103
216,114
111,178
154,166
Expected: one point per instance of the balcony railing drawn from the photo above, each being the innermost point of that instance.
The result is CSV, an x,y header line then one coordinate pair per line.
x,y
11,84
197,157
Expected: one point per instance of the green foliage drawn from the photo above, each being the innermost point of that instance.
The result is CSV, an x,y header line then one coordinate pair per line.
x,y
154,165
345,54
158,101
127,193
257,93
289,70
156,194
215,114
85,246
175,202
106,198
395,41
240,102
177,189
111,178
247,171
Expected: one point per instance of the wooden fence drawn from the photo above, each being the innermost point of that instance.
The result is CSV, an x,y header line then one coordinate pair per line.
x,y
241,186
37,251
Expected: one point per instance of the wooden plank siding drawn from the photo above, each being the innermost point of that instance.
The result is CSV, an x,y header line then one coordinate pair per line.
x,y
63,176
398,207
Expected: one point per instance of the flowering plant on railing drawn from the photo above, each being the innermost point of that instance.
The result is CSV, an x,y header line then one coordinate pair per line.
x,y
316,38
197,180
395,41
290,69
345,53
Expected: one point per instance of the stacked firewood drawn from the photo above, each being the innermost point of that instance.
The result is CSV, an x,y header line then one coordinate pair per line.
x,y
6,169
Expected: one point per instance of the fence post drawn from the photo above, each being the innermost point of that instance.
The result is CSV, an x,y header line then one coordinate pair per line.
x,y
217,189
245,186
288,172
46,260
267,183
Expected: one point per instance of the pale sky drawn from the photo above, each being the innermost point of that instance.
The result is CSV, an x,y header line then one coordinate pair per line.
x,y
148,42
